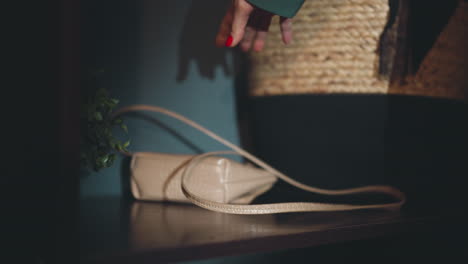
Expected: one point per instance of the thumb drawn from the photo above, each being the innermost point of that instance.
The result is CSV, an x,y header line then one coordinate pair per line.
x,y
242,11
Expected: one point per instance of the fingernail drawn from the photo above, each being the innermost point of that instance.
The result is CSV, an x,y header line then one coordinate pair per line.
x,y
229,41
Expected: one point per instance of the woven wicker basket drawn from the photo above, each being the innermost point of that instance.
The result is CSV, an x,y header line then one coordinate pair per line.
x,y
334,51
444,70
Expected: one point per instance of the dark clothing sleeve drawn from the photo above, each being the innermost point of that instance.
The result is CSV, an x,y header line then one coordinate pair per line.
x,y
285,8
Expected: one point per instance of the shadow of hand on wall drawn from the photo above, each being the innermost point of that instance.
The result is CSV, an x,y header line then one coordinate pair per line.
x,y
197,40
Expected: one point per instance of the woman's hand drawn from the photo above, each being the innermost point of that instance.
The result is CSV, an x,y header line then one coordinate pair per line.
x,y
248,25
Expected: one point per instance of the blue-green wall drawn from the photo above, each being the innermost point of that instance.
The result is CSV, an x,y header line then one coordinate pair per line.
x,y
160,53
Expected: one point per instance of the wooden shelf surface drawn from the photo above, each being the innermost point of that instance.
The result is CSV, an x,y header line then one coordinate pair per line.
x,y
117,231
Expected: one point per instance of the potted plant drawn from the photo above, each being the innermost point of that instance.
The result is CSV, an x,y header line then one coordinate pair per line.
x,y
99,144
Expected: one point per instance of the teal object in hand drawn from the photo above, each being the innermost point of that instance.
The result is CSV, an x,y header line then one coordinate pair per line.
x,y
284,8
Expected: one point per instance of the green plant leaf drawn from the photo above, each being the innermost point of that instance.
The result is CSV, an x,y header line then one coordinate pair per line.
x,y
98,144
109,161
104,159
112,157
98,116
118,147
124,128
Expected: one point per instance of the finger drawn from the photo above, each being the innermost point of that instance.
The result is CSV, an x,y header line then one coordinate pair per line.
x,y
262,32
247,41
286,30
251,30
260,39
225,28
242,11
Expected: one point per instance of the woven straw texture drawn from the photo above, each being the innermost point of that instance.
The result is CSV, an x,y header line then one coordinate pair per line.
x,y
334,51
444,70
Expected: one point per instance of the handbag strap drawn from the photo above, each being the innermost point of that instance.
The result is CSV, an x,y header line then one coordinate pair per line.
x,y
267,208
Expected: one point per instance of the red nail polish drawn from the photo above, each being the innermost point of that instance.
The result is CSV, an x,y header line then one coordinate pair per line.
x,y
229,41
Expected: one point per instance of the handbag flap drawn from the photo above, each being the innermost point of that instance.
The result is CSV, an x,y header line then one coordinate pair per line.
x,y
157,177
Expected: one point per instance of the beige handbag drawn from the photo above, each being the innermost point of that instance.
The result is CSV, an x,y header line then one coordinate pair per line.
x,y
158,177
223,185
